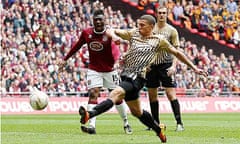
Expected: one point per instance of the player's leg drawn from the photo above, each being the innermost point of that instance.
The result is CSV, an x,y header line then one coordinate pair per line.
x,y
111,79
152,84
116,95
122,110
132,89
169,84
146,118
171,94
154,106
95,81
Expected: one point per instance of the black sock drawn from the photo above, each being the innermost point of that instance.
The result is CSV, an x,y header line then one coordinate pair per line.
x,y
155,111
147,120
101,108
176,111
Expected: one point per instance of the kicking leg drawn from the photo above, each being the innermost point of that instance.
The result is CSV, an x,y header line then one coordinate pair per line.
x,y
146,118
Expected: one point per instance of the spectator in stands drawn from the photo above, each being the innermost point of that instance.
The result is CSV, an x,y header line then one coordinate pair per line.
x,y
178,12
203,24
236,37
15,89
221,31
180,82
3,89
232,6
229,30
216,90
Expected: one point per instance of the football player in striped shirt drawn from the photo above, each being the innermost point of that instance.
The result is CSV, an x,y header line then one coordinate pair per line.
x,y
143,49
163,70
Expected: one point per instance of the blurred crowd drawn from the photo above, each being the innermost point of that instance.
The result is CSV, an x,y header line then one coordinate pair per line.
x,y
219,19
36,34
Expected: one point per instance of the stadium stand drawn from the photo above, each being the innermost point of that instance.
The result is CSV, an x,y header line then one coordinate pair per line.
x,y
35,35
217,20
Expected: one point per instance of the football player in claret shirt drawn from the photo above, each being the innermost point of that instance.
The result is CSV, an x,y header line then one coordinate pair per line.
x,y
100,71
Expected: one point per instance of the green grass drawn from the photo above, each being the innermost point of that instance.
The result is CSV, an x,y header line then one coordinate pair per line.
x,y
64,129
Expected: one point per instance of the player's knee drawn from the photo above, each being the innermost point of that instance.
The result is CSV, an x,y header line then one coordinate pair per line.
x,y
94,93
117,95
136,112
119,102
171,95
153,95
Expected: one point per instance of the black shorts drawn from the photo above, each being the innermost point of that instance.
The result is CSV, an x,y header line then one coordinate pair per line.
x,y
158,75
132,87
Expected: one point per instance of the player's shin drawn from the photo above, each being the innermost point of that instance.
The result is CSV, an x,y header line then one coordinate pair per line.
x,y
121,108
147,120
155,111
176,110
92,121
101,108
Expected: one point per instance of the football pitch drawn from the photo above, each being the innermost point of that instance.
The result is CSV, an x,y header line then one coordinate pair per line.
x,y
64,129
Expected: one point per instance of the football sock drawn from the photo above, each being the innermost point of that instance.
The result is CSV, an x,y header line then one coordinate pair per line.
x,y
92,121
121,108
101,108
176,110
155,111
147,120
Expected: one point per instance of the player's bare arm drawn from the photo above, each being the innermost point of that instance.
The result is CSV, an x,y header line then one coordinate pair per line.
x,y
175,42
168,47
171,70
124,34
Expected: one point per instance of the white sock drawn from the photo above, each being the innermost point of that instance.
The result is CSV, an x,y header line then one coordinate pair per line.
x,y
123,112
92,121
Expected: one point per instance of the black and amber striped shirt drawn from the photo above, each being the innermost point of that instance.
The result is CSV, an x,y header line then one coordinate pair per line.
x,y
142,51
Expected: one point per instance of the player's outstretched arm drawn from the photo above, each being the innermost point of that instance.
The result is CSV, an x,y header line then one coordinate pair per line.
x,y
124,34
182,57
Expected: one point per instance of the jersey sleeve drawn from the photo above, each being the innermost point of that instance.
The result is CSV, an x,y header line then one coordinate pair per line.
x,y
76,46
164,45
175,38
125,34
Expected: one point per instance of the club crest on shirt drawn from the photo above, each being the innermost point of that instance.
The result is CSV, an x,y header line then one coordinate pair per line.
x,y
90,36
96,46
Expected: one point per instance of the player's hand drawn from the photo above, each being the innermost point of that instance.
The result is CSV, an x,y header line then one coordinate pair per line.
x,y
121,61
201,72
171,71
61,66
115,38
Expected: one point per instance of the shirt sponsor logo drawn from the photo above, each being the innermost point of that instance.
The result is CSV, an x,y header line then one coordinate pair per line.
x,y
96,46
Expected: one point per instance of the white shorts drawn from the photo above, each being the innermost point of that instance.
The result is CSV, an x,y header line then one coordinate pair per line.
x,y
102,79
